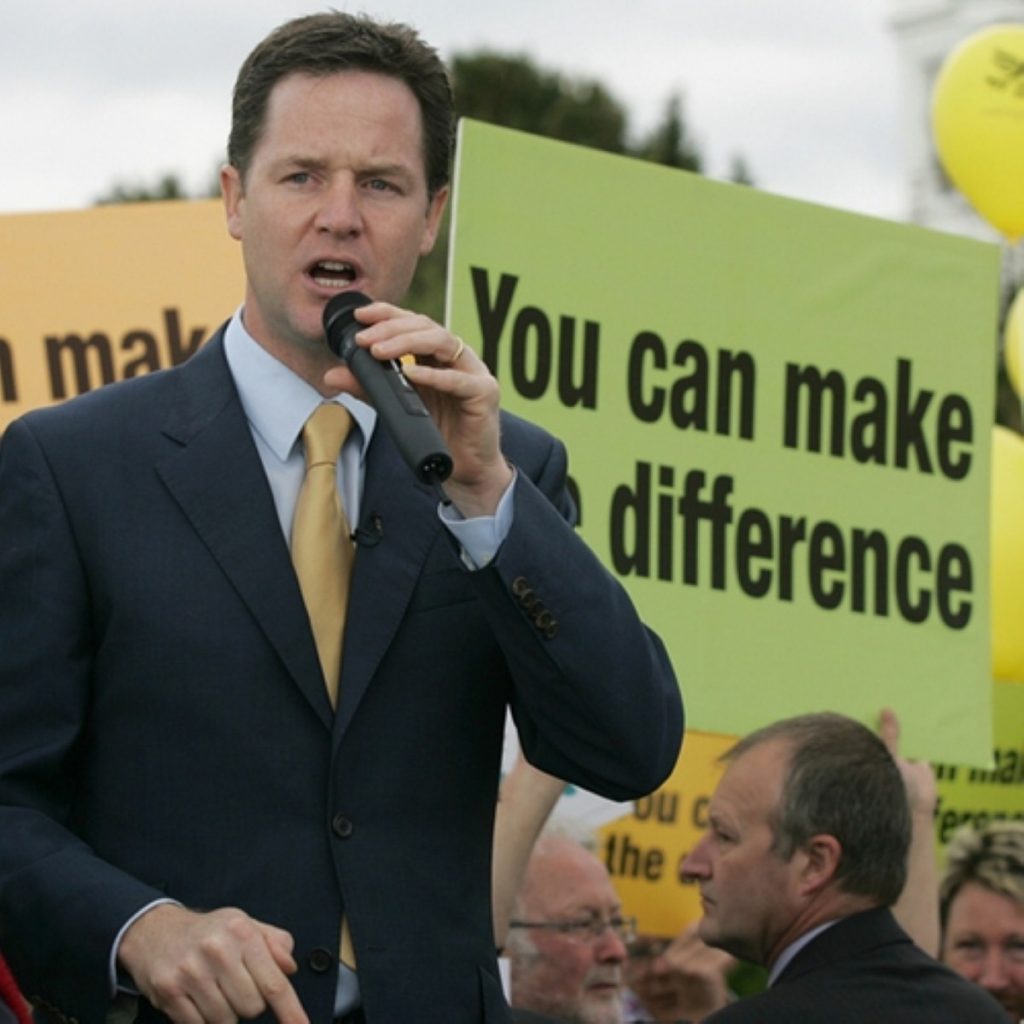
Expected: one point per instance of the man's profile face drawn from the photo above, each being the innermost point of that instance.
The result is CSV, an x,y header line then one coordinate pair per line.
x,y
571,977
334,199
747,890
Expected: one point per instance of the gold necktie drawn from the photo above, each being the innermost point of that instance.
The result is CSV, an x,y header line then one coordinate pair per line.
x,y
322,549
322,554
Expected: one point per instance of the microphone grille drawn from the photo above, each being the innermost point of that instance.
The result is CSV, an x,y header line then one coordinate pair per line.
x,y
338,311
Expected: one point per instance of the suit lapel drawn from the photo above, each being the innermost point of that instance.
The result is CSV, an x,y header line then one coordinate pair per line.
x,y
399,525
216,477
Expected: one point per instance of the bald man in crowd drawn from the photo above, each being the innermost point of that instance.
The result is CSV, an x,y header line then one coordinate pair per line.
x,y
567,937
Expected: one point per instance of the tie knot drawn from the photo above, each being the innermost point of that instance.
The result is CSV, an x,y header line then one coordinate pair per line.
x,y
325,432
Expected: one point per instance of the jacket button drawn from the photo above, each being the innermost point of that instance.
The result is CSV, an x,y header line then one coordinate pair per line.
x,y
544,619
341,826
321,961
520,586
552,629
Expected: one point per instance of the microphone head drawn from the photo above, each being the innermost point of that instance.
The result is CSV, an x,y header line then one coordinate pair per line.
x,y
338,316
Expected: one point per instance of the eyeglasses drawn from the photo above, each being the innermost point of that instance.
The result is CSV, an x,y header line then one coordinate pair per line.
x,y
586,929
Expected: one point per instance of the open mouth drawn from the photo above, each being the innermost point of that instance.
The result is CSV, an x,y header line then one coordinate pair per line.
x,y
332,274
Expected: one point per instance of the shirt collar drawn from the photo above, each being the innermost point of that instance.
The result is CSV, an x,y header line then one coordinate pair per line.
x,y
786,956
277,401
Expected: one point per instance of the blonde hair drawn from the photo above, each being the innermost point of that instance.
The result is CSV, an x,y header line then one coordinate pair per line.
x,y
992,857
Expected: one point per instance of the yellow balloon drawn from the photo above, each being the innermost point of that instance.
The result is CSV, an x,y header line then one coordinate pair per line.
x,y
1013,345
978,124
1007,555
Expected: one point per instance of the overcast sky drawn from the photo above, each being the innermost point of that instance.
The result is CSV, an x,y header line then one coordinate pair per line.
x,y
94,92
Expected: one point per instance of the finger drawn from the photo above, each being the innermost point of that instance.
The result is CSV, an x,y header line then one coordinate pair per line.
x,y
180,1009
281,945
202,1003
273,988
384,325
394,333
889,731
455,382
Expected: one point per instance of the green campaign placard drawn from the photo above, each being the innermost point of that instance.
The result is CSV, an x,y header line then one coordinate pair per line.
x,y
778,419
979,796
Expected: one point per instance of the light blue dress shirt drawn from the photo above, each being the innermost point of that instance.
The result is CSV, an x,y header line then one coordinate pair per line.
x,y
277,403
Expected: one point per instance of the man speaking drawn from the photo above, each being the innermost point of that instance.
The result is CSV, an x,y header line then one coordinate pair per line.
x,y
253,674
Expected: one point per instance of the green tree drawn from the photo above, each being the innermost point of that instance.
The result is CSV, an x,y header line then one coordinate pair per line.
x,y
168,186
670,143
739,171
511,90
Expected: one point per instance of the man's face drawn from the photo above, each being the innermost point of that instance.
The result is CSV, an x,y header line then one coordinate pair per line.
x,y
748,893
335,198
984,942
570,976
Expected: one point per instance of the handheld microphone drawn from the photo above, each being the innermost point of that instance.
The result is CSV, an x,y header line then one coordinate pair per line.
x,y
398,405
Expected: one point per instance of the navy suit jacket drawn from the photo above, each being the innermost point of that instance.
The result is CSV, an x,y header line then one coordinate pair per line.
x,y
865,970
165,731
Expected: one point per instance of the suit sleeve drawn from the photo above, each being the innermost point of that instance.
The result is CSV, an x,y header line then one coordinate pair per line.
x,y
55,893
595,698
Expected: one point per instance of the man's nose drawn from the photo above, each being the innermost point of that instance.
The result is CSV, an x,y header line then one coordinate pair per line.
x,y
340,212
609,947
695,864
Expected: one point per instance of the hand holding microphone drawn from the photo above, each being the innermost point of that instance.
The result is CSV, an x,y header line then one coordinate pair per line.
x,y
398,405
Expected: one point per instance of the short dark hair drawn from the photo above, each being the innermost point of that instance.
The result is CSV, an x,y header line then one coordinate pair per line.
x,y
323,44
841,781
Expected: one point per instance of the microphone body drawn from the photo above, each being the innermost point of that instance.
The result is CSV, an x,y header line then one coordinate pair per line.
x,y
398,405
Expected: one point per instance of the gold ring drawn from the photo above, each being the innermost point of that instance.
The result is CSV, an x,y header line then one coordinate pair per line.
x,y
458,352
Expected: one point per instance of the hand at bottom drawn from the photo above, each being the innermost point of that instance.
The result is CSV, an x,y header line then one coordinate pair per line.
x,y
212,968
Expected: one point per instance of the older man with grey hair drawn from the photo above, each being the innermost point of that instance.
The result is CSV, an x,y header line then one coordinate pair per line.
x,y
567,936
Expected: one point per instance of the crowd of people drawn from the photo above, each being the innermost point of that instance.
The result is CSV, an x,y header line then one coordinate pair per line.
x,y
254,674
818,864
806,868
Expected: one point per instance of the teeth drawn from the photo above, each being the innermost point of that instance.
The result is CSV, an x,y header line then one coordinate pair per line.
x,y
332,273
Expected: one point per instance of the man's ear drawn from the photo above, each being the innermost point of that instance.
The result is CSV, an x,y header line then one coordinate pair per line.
x,y
822,854
233,195
435,210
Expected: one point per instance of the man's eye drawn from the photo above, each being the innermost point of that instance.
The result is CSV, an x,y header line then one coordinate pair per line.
x,y
299,177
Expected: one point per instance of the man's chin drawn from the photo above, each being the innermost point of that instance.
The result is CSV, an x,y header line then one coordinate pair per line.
x,y
706,929
601,1007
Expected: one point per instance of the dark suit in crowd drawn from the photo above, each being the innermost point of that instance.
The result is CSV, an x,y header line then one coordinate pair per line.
x,y
865,968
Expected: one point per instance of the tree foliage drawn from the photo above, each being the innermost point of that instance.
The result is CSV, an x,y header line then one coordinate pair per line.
x,y
168,186
670,142
513,91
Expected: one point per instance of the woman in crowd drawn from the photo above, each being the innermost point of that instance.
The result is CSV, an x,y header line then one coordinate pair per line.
x,y
981,909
